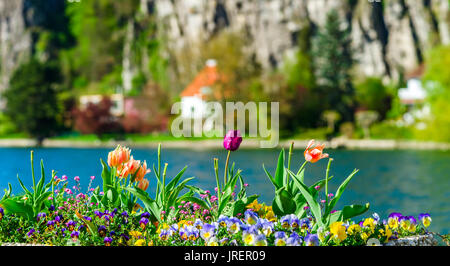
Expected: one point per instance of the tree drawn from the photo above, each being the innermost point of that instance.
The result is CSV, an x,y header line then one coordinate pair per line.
x,y
437,84
332,63
32,99
97,119
371,94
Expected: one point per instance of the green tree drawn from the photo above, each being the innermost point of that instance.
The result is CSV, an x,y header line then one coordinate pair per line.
x,y
371,94
332,63
32,99
437,84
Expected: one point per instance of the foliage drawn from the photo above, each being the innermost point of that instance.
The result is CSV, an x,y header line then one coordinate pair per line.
x,y
30,203
164,206
97,119
371,94
332,62
437,84
293,196
32,99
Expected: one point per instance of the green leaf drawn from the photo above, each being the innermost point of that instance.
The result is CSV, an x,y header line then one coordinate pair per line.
x,y
106,175
271,178
279,172
176,179
354,210
23,186
42,180
315,207
284,202
339,192
18,207
149,203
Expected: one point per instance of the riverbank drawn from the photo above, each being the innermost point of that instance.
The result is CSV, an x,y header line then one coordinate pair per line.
x,y
246,144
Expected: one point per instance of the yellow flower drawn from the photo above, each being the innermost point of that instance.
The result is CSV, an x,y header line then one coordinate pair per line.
x,y
163,226
353,229
364,236
254,205
140,242
370,222
271,216
338,231
135,234
150,243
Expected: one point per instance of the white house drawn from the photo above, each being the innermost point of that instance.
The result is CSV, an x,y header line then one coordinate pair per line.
x,y
193,97
414,92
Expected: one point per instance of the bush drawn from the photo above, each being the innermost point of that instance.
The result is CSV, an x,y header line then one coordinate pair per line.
x,y
32,99
97,119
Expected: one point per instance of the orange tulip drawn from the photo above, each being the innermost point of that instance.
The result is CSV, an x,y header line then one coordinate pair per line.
x,y
118,156
142,171
313,154
129,168
143,184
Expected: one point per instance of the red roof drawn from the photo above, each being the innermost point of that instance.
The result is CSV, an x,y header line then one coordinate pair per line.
x,y
207,77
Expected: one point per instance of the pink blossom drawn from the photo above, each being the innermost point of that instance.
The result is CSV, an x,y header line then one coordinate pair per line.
x,y
77,179
92,177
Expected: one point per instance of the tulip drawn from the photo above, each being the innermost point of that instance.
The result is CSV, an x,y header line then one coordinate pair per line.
x,y
143,184
313,154
118,156
142,171
232,140
129,168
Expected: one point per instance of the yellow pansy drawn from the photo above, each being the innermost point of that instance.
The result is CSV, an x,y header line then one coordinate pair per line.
x,y
338,231
140,242
353,229
135,234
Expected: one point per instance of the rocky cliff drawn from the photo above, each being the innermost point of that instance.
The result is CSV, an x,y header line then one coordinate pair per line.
x,y
389,38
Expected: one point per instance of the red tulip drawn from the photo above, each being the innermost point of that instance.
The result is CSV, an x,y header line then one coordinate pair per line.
x,y
313,154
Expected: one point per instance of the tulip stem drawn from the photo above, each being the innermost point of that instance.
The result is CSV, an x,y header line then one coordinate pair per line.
x,y
226,169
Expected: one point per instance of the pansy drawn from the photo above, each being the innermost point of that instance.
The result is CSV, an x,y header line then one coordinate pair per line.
x,y
425,218
212,241
2,213
107,241
198,224
233,225
143,222
41,216
305,224
312,240
338,230
353,229
74,235
280,238
223,220
294,240
248,238
207,231
267,227
50,224
31,232
71,225
164,235
393,220
250,217
285,221
102,230
260,240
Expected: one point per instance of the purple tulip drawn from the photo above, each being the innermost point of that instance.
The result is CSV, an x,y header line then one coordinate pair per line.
x,y
232,140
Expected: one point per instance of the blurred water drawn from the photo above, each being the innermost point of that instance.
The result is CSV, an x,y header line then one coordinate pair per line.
x,y
410,182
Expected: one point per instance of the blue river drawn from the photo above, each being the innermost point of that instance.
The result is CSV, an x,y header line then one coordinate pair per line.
x,y
409,182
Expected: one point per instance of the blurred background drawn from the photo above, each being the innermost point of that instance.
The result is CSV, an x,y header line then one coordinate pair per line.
x,y
87,70
104,70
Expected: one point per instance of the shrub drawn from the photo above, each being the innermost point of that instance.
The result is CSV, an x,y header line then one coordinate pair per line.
x,y
32,99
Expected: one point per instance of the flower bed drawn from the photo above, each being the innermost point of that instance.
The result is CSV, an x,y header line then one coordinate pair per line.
x,y
122,212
